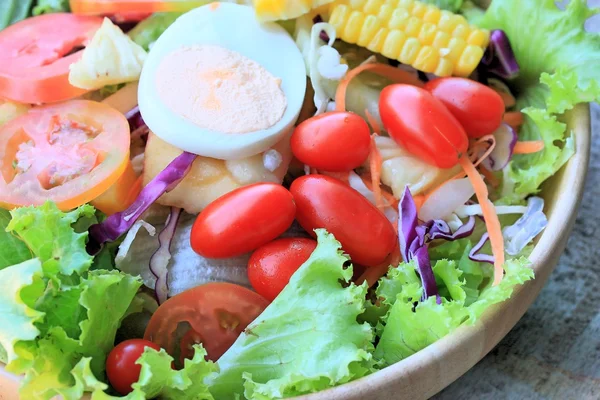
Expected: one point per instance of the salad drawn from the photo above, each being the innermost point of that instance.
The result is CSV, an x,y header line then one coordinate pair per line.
x,y
266,199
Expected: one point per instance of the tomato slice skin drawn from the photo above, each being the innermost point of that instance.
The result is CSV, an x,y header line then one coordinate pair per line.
x,y
243,220
334,141
363,230
271,266
422,125
35,57
107,7
478,108
121,369
37,149
216,312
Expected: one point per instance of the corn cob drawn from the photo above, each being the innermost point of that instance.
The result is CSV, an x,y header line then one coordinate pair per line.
x,y
414,33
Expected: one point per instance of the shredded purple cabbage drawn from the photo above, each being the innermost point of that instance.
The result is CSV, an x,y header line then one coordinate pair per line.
x,y
159,262
117,224
322,35
499,57
412,247
506,140
474,254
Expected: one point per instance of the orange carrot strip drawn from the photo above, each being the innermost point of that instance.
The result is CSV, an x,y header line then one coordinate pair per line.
x,y
507,98
532,146
375,162
419,201
492,222
392,73
514,118
489,176
373,122
391,200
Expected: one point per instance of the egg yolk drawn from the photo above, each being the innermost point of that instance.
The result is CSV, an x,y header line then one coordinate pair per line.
x,y
220,90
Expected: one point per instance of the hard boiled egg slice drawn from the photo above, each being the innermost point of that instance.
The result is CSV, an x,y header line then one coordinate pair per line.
x,y
219,84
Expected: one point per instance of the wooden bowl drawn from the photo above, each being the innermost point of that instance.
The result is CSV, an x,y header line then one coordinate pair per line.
x,y
435,367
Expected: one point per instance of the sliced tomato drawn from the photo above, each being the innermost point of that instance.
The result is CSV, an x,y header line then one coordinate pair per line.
x,y
109,7
35,55
69,153
214,314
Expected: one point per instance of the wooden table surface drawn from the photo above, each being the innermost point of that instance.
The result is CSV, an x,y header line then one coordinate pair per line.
x,y
554,351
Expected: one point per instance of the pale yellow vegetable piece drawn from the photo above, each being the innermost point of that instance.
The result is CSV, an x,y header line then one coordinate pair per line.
x,y
110,58
274,10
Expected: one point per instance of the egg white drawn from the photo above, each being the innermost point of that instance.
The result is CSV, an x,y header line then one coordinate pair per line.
x,y
233,27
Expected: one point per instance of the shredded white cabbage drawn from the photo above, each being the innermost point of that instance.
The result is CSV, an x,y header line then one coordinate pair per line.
x,y
323,62
533,221
272,159
129,238
475,209
357,184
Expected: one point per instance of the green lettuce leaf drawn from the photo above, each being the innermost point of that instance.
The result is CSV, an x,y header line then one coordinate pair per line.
x,y
48,233
148,31
19,285
314,311
12,249
159,380
450,5
558,60
409,328
51,6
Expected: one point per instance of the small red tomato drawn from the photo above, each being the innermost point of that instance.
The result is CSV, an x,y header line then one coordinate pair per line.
x,y
335,141
477,107
422,125
121,369
243,220
271,266
364,231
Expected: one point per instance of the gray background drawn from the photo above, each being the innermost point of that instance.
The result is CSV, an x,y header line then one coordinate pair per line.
x,y
554,351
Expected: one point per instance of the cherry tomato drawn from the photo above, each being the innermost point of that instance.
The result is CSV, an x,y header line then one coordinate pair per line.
x,y
477,107
216,314
364,231
70,153
271,266
334,141
108,7
121,369
422,125
35,55
243,220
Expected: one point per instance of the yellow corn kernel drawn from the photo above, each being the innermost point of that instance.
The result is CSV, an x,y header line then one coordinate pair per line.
x,y
410,50
385,13
339,16
373,6
461,31
479,38
357,4
444,68
456,46
427,33
392,46
406,5
399,19
441,40
447,22
419,9
468,61
368,31
413,27
432,15
377,42
353,26
427,59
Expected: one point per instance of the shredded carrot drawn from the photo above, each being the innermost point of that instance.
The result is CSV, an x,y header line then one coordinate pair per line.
x,y
373,274
492,222
214,5
375,162
373,122
507,98
489,176
392,73
389,198
532,146
514,118
419,201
